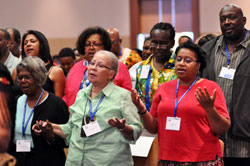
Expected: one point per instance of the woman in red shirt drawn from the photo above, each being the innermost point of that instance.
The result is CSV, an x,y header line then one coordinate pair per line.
x,y
188,113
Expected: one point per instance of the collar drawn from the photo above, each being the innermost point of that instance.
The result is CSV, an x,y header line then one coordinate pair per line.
x,y
243,43
106,91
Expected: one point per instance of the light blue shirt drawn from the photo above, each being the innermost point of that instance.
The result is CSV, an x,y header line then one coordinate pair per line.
x,y
19,120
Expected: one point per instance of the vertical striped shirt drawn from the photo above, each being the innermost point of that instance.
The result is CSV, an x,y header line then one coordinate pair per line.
x,y
233,146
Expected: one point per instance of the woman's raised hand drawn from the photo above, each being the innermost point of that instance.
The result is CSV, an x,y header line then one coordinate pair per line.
x,y
204,98
137,101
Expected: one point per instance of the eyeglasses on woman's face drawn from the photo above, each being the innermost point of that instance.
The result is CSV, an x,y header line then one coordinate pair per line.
x,y
95,45
162,44
99,65
24,77
186,60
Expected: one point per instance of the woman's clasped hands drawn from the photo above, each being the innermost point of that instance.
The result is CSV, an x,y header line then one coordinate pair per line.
x,y
45,128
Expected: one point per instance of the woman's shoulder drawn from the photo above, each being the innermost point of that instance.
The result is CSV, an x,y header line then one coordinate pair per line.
x,y
207,82
22,98
168,84
55,70
56,74
115,90
54,99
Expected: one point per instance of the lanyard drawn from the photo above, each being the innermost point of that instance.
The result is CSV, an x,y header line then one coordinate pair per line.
x,y
227,52
147,91
177,89
85,83
24,126
120,52
92,114
86,78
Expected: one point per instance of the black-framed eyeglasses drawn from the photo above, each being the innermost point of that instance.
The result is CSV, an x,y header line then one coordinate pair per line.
x,y
99,65
95,45
24,77
186,60
162,44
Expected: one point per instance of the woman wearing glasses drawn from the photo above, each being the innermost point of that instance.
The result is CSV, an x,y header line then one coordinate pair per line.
x,y
37,104
89,42
159,67
188,113
103,119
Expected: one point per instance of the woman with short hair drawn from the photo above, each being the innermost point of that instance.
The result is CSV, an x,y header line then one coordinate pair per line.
x,y
103,119
90,41
188,113
37,104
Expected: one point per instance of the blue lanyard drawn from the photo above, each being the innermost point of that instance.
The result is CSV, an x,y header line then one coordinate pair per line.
x,y
92,114
177,89
85,81
24,126
227,52
120,52
86,78
147,91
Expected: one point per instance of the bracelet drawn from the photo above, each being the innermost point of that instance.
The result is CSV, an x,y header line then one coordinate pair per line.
x,y
142,113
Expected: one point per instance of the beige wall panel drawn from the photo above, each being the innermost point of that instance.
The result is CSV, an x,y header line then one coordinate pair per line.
x,y
209,13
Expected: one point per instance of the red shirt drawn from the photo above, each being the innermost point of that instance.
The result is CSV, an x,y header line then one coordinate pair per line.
x,y
195,141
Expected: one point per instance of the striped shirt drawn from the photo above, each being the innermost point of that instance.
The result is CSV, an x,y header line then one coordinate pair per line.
x,y
233,146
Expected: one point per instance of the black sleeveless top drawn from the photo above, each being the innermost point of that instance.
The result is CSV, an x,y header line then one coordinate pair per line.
x,y
49,84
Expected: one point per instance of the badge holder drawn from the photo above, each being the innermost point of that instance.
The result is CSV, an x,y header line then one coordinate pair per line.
x,y
85,120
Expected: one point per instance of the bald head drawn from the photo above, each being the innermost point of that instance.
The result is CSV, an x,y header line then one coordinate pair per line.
x,y
232,23
15,41
115,39
230,6
114,32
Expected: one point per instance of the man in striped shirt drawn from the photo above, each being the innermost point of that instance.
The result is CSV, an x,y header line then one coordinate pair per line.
x,y
228,62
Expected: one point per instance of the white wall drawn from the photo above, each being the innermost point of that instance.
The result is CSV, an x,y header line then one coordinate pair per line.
x,y
64,18
209,13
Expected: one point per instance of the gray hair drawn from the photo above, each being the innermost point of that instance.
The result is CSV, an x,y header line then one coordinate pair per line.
x,y
36,67
113,60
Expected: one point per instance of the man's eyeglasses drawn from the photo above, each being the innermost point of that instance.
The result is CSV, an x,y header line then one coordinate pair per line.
x,y
146,48
95,45
99,65
186,60
25,77
115,42
162,44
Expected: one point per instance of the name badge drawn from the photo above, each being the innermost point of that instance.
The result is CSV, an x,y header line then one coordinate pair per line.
x,y
145,71
91,128
23,146
227,73
173,123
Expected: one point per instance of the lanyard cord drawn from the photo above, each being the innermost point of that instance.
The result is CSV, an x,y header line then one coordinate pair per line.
x,y
227,51
92,114
177,90
24,125
147,91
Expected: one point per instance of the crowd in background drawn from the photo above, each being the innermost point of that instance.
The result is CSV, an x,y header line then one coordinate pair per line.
x,y
99,97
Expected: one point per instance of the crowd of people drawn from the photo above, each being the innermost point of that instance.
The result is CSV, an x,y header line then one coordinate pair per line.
x,y
99,97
